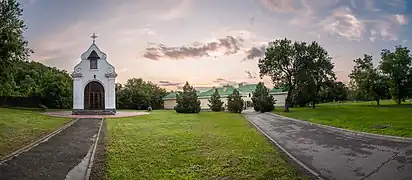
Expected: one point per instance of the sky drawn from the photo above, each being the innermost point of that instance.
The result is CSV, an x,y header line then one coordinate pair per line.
x,y
209,42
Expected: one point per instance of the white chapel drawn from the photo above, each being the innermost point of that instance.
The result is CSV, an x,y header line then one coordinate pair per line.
x,y
94,83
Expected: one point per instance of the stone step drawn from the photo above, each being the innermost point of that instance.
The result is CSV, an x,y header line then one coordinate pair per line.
x,y
94,112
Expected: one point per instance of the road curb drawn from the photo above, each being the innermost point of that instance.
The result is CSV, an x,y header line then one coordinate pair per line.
x,y
348,132
301,164
36,143
96,141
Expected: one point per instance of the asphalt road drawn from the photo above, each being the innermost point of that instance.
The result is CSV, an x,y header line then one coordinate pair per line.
x,y
338,156
55,158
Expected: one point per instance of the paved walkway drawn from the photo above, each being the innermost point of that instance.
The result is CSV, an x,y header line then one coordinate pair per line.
x,y
338,156
118,114
63,156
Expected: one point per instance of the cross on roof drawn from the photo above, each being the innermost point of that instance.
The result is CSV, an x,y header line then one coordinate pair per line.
x,y
94,37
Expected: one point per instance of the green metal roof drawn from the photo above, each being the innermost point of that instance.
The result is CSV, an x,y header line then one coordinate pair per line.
x,y
277,90
171,95
247,88
221,90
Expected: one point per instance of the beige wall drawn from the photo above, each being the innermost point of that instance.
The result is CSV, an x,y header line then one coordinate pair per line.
x,y
280,98
204,103
169,103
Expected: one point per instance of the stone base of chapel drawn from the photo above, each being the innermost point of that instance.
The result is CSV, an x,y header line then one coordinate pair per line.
x,y
94,112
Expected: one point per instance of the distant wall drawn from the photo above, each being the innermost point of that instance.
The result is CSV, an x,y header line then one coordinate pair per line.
x,y
169,103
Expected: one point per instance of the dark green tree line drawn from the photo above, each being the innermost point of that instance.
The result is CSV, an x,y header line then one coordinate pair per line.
x,y
139,94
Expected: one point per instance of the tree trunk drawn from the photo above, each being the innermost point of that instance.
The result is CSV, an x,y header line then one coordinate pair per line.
x,y
313,104
377,101
398,101
287,102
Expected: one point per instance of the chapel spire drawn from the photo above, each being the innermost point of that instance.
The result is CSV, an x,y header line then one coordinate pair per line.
x,y
94,37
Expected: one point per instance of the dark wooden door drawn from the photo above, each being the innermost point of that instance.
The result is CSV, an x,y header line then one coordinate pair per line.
x,y
94,96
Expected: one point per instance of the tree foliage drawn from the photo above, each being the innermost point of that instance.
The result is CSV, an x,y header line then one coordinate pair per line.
x,y
235,102
216,104
13,47
187,101
301,68
369,83
52,87
333,91
139,94
397,66
262,100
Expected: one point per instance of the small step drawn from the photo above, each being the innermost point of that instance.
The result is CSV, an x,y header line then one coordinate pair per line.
x,y
93,112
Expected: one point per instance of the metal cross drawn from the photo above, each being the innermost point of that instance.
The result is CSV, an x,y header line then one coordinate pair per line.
x,y
93,37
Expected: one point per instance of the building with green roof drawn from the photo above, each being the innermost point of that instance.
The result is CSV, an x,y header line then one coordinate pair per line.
x,y
245,90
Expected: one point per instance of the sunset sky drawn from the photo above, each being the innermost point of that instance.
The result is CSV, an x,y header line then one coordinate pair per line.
x,y
209,42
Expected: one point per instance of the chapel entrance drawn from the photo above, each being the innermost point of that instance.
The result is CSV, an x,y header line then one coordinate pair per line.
x,y
94,96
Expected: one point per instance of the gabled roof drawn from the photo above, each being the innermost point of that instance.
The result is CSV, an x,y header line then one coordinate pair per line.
x,y
277,90
223,92
247,88
171,95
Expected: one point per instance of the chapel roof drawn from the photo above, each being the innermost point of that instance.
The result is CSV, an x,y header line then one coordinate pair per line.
x,y
93,55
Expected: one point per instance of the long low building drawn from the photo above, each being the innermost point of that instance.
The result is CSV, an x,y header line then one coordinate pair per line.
x,y
245,90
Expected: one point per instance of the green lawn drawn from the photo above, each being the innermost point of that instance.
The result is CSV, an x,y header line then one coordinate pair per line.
x,y
19,127
208,145
388,119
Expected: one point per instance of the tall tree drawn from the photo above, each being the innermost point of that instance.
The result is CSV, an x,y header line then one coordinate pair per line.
x,y
397,66
235,102
187,101
320,69
216,104
281,62
368,81
262,100
13,47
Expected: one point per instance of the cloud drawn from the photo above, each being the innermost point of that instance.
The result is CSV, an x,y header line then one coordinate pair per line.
x,y
353,20
168,83
251,75
228,45
344,23
279,5
222,81
401,19
255,52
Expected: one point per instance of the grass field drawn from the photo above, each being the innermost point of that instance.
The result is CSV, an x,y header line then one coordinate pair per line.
x,y
388,119
208,145
19,127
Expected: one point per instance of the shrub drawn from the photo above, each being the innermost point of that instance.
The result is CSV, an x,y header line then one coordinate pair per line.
x,y
216,104
187,101
235,102
262,100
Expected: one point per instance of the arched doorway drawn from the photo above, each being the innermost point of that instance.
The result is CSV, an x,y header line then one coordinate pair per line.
x,y
94,96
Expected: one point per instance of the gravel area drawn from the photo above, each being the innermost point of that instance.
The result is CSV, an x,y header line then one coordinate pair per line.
x,y
100,158
53,159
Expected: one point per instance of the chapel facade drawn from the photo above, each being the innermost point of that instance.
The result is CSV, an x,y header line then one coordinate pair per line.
x,y
94,81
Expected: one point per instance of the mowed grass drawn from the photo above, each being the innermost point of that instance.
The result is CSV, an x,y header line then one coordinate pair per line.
x,y
387,119
19,127
208,145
